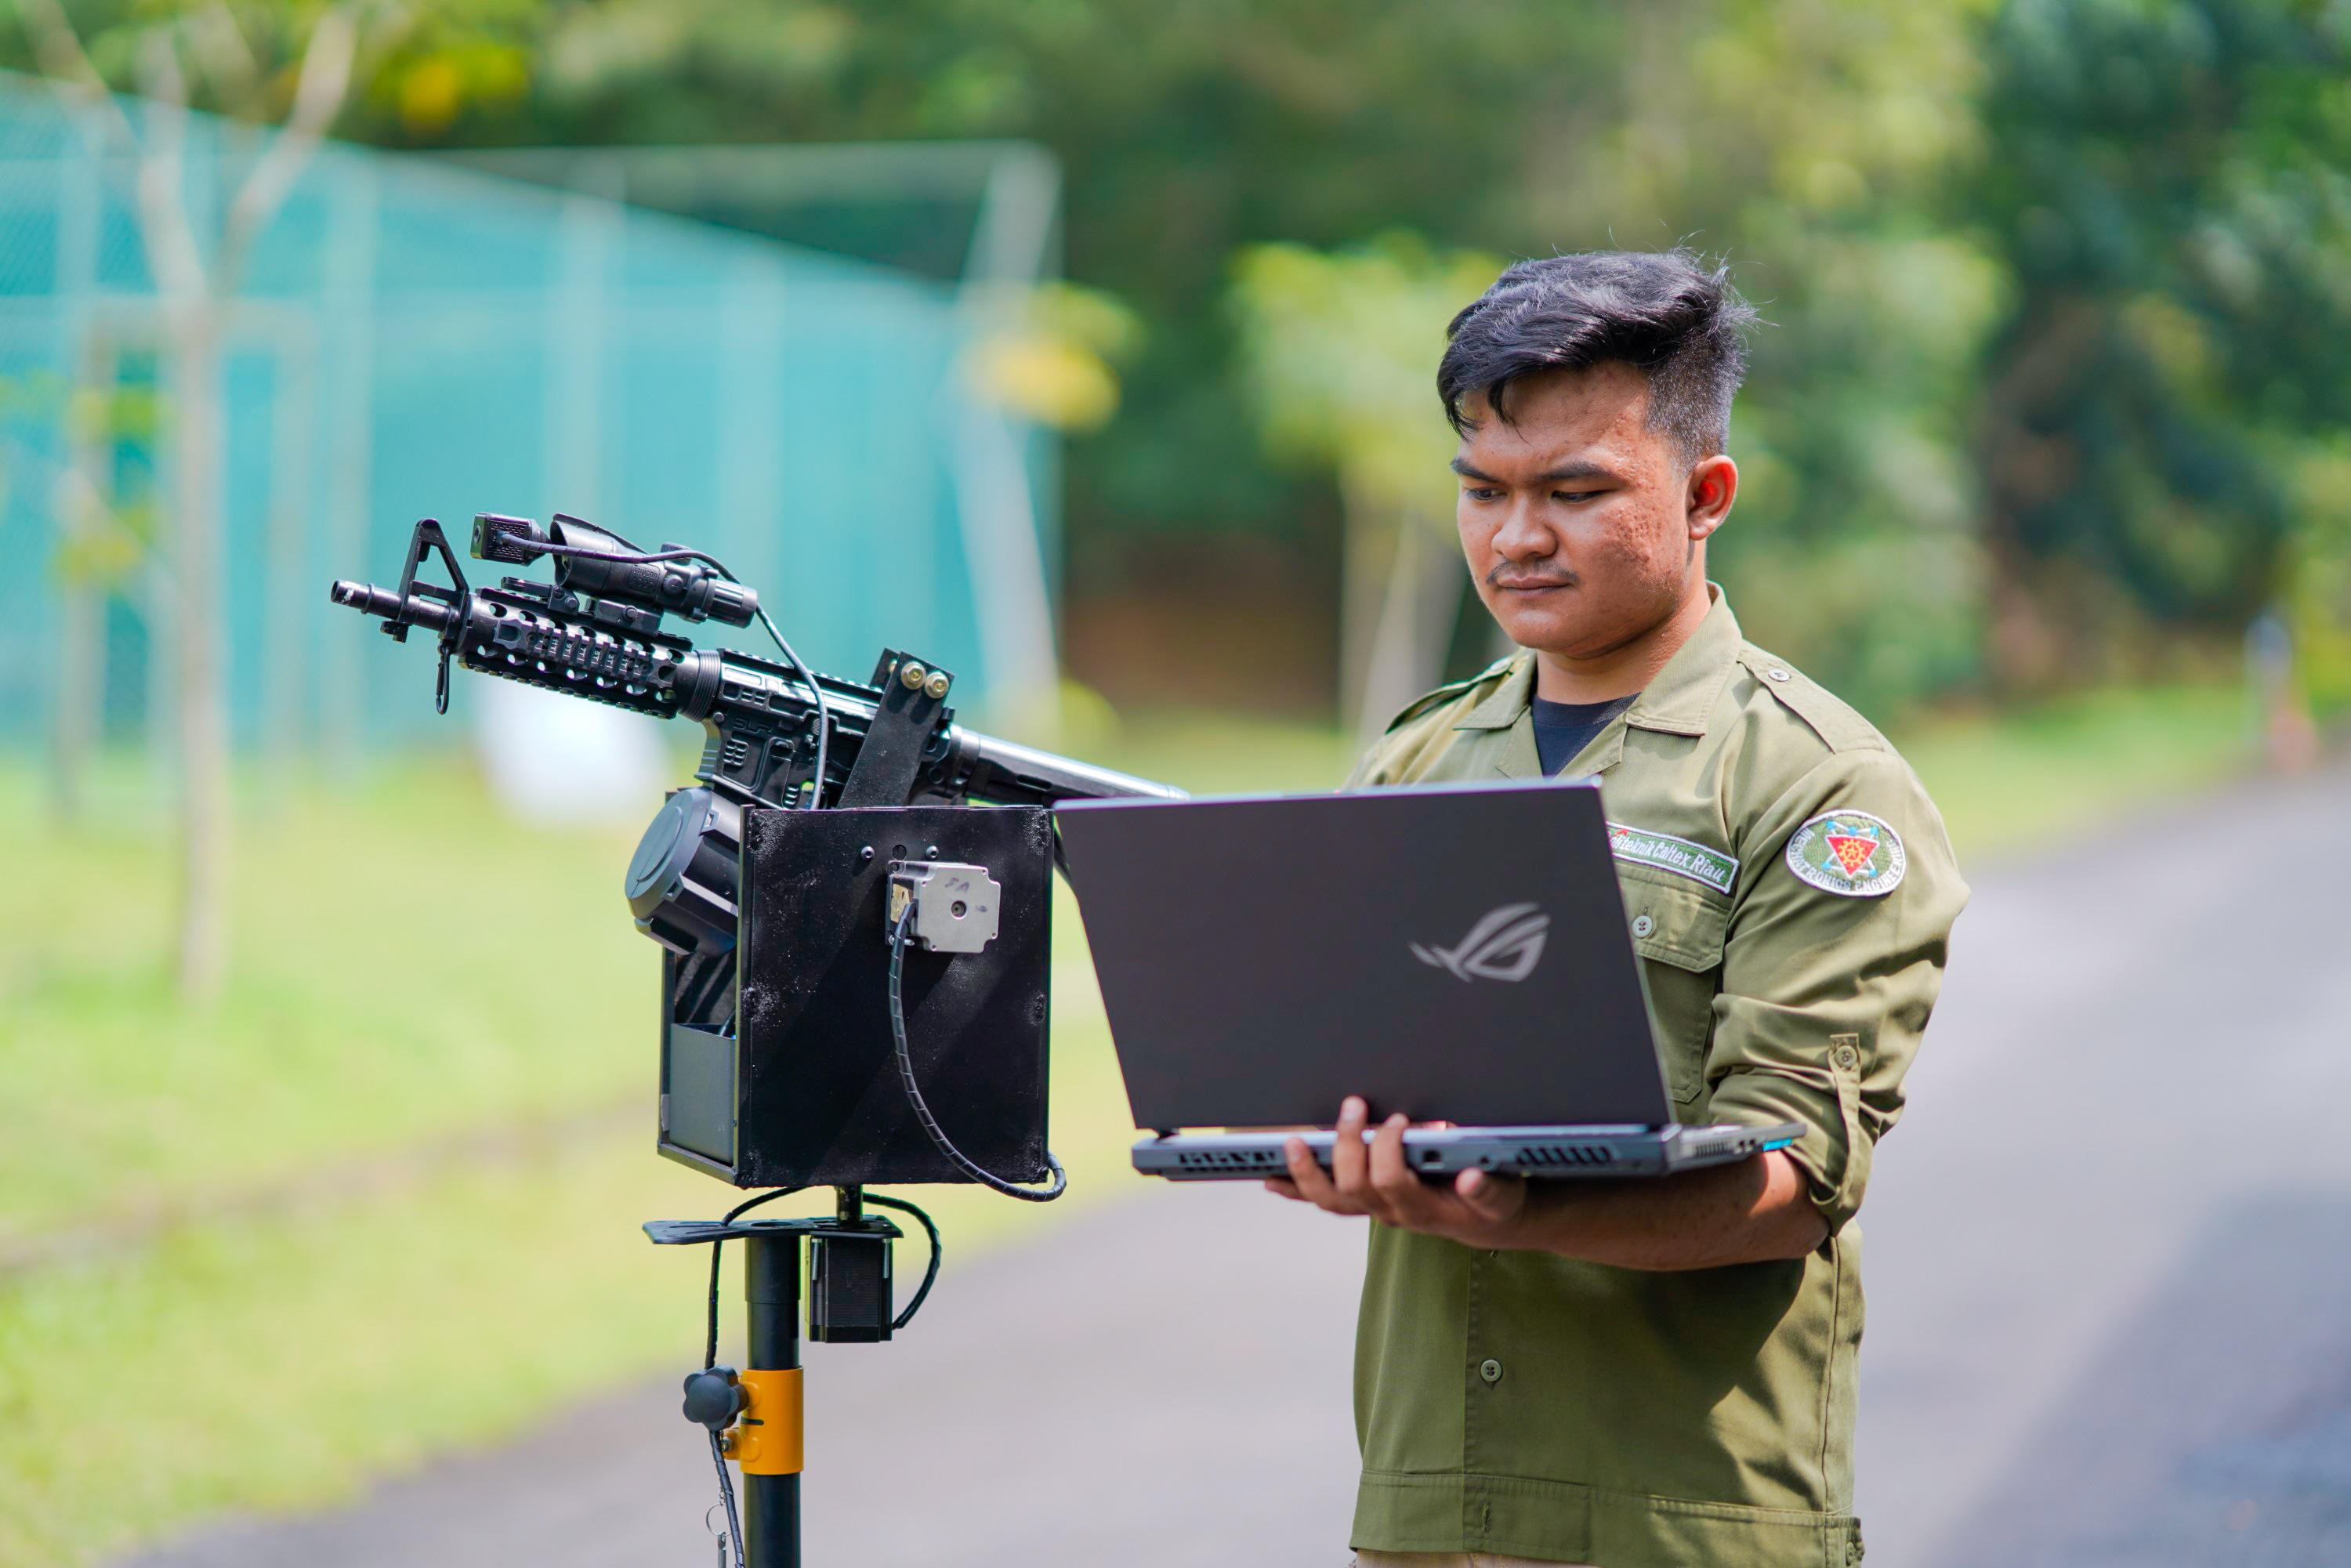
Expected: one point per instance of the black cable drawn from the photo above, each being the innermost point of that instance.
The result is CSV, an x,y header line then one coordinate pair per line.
x,y
791,657
816,695
930,1274
726,1493
710,1357
905,1059
717,1249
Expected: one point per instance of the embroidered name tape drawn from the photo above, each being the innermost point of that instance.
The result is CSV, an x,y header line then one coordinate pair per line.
x,y
1680,856
1851,853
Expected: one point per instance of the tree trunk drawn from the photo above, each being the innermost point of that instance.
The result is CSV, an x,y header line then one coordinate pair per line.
x,y
203,709
1403,593
81,665
1366,560
82,629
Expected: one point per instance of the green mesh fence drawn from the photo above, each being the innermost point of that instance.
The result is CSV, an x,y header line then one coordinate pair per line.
x,y
413,339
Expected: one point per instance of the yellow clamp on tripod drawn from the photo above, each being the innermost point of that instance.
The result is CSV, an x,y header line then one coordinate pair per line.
x,y
769,1436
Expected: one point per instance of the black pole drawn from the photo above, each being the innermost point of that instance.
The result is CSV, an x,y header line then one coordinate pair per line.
x,y
771,1288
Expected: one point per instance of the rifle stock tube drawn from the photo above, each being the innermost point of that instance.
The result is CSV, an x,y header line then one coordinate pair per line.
x,y
1011,774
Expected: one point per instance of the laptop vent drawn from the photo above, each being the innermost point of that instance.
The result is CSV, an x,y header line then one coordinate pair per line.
x,y
1575,1155
1230,1160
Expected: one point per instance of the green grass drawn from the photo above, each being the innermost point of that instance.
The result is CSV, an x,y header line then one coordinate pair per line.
x,y
2020,779
381,1199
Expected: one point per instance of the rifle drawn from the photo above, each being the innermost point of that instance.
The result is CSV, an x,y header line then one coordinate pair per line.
x,y
750,888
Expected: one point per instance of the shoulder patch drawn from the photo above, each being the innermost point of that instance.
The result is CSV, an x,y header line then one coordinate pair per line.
x,y
1851,853
1825,715
1430,701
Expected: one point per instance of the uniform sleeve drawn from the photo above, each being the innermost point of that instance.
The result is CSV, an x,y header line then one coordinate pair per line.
x,y
1827,978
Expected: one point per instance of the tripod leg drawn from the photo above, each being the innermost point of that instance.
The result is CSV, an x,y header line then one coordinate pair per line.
x,y
772,1480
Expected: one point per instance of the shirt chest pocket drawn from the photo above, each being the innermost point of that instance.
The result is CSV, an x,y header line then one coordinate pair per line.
x,y
1678,930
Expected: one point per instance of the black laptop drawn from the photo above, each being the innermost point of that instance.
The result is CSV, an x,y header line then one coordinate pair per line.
x,y
1456,951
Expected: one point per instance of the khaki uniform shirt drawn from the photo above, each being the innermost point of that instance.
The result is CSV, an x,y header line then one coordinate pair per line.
x,y
1792,892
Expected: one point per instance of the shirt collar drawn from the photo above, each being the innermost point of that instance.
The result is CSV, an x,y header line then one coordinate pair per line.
x,y
1677,702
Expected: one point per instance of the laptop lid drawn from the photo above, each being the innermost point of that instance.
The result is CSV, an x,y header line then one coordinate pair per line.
x,y
1456,951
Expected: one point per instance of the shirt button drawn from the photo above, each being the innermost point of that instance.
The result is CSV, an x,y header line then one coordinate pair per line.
x,y
1490,1370
1779,674
1847,1058
1643,926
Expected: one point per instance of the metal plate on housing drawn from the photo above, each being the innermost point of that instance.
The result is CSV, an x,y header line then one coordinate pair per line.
x,y
956,906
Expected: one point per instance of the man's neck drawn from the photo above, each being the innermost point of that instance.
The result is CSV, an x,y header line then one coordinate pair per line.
x,y
1627,668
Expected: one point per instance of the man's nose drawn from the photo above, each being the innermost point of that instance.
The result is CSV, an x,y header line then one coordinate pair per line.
x,y
1523,536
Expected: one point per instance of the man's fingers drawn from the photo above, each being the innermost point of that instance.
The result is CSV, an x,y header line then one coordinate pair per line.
x,y
1311,1183
1391,1176
1282,1186
1481,1192
1348,1159
1490,1196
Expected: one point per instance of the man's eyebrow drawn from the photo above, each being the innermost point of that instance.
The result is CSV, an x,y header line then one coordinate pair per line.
x,y
1559,474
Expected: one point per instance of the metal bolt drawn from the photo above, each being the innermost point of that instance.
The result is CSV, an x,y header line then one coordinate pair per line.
x,y
865,854
911,674
936,686
931,853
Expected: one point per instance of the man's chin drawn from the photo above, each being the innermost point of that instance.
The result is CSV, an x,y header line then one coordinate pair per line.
x,y
1574,644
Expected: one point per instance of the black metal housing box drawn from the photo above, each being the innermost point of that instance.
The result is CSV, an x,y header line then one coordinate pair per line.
x,y
806,1093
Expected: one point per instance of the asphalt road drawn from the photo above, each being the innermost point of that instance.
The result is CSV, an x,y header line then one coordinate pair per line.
x,y
2110,1272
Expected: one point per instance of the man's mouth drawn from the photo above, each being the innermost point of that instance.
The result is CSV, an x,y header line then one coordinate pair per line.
x,y
1531,584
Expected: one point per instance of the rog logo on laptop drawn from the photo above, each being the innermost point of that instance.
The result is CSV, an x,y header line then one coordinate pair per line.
x,y
1504,945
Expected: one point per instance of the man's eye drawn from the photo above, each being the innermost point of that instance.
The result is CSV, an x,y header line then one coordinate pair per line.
x,y
1574,497
1482,493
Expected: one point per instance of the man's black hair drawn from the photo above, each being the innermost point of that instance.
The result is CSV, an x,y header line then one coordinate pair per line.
x,y
1666,313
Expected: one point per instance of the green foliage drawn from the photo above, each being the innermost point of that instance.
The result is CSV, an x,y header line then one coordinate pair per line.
x,y
1054,358
2165,181
424,63
1339,353
2052,287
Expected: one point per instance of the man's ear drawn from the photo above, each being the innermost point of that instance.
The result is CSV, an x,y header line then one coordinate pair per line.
x,y
1713,486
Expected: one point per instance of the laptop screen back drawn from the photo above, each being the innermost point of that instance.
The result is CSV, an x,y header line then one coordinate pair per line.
x,y
1458,953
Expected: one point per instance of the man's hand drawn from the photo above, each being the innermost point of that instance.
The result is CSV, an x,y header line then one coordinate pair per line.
x,y
1477,1209
1751,1211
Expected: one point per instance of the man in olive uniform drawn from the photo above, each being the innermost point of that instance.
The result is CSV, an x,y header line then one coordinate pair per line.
x,y
1647,1373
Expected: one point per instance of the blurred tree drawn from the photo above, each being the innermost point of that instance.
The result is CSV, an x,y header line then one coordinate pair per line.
x,y
1339,351
1808,142
1803,138
1187,130
281,64
2051,282
2169,182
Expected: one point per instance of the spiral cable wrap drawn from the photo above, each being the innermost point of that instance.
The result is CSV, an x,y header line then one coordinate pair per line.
x,y
905,1057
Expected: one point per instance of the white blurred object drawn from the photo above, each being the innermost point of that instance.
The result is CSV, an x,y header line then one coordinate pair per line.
x,y
557,758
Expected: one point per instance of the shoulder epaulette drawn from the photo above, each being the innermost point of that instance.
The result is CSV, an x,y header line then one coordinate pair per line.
x,y
1827,714
1429,701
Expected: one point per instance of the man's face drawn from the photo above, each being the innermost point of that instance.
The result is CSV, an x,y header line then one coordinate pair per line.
x,y
1582,529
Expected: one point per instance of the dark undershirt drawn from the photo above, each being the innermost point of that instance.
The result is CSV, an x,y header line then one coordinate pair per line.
x,y
1563,729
